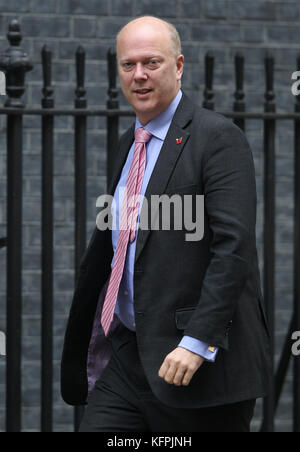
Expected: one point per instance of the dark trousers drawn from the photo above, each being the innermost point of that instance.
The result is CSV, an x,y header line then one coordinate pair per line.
x,y
122,401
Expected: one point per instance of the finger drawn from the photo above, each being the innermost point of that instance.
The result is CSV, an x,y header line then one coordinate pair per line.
x,y
179,377
169,376
163,369
188,376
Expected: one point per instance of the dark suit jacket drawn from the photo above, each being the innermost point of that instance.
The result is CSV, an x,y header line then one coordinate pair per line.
x,y
208,289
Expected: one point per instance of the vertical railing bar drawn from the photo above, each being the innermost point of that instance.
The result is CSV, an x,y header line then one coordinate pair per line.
x,y
283,364
80,180
269,232
15,64
3,242
112,121
47,249
208,93
239,104
296,369
14,273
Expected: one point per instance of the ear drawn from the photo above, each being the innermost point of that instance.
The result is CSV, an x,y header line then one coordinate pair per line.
x,y
179,66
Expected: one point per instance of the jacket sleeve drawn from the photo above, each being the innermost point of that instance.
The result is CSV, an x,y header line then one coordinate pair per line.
x,y
230,206
199,347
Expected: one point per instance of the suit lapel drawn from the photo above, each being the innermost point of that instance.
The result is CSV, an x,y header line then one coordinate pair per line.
x,y
166,161
169,154
121,157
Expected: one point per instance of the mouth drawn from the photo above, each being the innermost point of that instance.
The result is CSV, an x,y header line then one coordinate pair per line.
x,y
142,92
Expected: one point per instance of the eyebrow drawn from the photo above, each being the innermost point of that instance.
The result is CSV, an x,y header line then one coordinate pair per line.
x,y
122,60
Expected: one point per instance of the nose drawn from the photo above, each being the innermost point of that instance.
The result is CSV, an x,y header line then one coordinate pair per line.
x,y
140,74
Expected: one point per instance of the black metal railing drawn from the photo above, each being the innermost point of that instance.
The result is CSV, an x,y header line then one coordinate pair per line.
x,y
15,63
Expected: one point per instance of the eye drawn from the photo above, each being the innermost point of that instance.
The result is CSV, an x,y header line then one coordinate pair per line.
x,y
127,66
153,64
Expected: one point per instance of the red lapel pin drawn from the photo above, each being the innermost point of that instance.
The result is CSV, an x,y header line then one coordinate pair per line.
x,y
178,140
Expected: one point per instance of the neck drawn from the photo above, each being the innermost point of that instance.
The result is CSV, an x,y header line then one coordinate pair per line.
x,y
144,119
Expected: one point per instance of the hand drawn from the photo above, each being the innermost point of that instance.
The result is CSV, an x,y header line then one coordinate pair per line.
x,y
179,366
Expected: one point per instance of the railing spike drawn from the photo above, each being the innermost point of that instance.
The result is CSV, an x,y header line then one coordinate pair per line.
x,y
209,73
80,100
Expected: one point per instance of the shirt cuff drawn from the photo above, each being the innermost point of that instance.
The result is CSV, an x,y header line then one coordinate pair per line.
x,y
200,348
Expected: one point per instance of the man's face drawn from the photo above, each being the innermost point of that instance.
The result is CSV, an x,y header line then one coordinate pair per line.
x,y
149,72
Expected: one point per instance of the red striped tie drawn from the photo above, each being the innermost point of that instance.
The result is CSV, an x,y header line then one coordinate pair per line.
x,y
128,224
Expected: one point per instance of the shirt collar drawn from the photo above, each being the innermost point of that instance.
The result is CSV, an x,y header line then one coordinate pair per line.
x,y
159,125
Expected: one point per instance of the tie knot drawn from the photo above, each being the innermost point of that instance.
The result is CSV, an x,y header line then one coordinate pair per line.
x,y
142,135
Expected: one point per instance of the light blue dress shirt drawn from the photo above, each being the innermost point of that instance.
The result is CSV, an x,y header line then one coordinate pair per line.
x,y
158,127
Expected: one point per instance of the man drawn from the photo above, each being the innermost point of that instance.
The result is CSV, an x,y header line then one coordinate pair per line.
x,y
169,334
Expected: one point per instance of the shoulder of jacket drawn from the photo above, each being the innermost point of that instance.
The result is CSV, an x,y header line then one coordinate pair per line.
x,y
127,133
214,123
